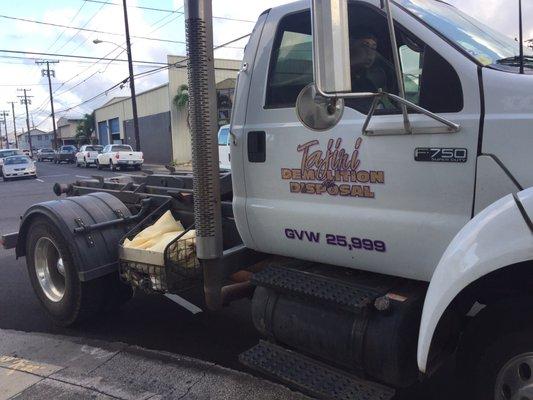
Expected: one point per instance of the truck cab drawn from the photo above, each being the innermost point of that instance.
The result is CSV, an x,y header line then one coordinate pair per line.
x,y
383,200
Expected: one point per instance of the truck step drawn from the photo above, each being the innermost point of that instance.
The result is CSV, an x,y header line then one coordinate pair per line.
x,y
310,376
341,294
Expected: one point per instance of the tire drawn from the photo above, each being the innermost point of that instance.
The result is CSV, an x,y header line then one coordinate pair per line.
x,y
86,165
77,164
495,360
66,299
112,166
137,167
98,165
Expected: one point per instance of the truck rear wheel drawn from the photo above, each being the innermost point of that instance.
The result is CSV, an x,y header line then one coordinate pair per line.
x,y
54,276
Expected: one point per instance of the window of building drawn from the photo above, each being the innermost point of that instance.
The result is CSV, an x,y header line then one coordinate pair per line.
x,y
39,137
429,80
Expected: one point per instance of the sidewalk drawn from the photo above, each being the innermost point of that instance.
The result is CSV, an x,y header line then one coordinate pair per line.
x,y
41,366
161,169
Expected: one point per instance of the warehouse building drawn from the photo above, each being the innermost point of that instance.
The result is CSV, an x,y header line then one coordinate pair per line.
x,y
163,127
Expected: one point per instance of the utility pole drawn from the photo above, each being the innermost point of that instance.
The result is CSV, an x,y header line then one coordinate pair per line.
x,y
132,83
4,114
48,73
27,100
14,124
521,36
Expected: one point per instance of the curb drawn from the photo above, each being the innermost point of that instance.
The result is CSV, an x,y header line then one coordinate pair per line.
x,y
40,366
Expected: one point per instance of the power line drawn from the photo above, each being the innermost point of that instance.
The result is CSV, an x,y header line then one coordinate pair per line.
x,y
87,30
64,30
98,31
81,57
170,11
79,29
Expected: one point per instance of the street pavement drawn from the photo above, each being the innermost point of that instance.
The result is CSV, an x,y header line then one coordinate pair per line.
x,y
148,321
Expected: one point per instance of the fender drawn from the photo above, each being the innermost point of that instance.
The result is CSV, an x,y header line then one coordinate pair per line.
x,y
500,235
95,254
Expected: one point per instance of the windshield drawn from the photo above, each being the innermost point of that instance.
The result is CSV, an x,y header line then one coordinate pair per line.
x,y
93,148
481,42
17,160
223,137
68,148
47,151
9,153
122,148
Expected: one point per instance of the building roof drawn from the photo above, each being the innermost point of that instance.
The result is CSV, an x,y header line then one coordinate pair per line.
x,y
34,132
113,100
67,120
126,98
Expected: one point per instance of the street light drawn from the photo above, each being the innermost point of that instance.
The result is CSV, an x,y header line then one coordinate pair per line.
x,y
98,41
132,82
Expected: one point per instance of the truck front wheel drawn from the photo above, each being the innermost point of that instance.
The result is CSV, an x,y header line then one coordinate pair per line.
x,y
54,276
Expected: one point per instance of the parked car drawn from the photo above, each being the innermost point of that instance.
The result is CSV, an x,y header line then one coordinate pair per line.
x,y
117,156
87,155
45,154
66,154
18,166
224,156
7,153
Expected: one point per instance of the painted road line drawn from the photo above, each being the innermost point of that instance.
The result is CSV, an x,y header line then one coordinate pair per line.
x,y
83,177
40,180
55,176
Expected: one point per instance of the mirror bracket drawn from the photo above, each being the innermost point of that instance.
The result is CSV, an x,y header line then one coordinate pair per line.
x,y
447,125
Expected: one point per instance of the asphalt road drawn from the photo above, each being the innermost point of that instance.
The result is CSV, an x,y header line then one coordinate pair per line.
x,y
152,322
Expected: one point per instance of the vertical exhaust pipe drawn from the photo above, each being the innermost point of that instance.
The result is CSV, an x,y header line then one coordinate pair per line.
x,y
204,127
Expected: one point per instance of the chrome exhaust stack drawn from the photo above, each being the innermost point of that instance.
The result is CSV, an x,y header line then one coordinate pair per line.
x,y
204,127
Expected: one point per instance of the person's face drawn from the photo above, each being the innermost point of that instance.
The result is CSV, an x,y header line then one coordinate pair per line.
x,y
363,52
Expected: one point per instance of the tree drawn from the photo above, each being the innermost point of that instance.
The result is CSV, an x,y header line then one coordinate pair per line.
x,y
182,97
85,129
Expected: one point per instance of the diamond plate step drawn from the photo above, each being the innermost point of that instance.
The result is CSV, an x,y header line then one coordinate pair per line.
x,y
341,294
310,376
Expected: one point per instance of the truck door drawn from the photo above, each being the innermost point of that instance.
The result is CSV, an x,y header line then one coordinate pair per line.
x,y
386,203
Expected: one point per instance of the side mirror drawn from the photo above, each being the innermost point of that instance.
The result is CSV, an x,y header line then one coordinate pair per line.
x,y
317,112
331,46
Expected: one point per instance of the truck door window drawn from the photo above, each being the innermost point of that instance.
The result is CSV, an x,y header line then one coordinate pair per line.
x,y
291,64
430,81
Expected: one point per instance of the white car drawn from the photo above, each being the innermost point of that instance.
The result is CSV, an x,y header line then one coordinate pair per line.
x,y
118,156
224,156
18,166
87,155
7,153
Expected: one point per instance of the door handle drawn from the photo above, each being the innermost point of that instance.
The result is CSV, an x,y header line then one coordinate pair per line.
x,y
256,146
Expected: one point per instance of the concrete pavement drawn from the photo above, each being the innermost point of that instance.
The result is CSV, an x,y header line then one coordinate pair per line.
x,y
40,366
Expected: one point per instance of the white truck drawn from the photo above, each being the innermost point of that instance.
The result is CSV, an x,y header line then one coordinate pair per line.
x,y
118,156
380,207
88,155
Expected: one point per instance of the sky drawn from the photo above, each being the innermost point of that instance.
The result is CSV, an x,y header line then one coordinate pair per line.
x,y
77,80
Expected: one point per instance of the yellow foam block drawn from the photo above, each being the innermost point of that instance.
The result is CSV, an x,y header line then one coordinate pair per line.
x,y
150,236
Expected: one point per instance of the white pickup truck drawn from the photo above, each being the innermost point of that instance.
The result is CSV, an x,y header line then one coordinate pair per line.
x,y
117,156
87,155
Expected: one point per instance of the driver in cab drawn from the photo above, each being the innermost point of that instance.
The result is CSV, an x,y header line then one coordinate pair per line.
x,y
366,75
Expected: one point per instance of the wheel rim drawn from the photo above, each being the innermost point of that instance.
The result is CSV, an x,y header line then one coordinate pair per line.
x,y
515,379
50,269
